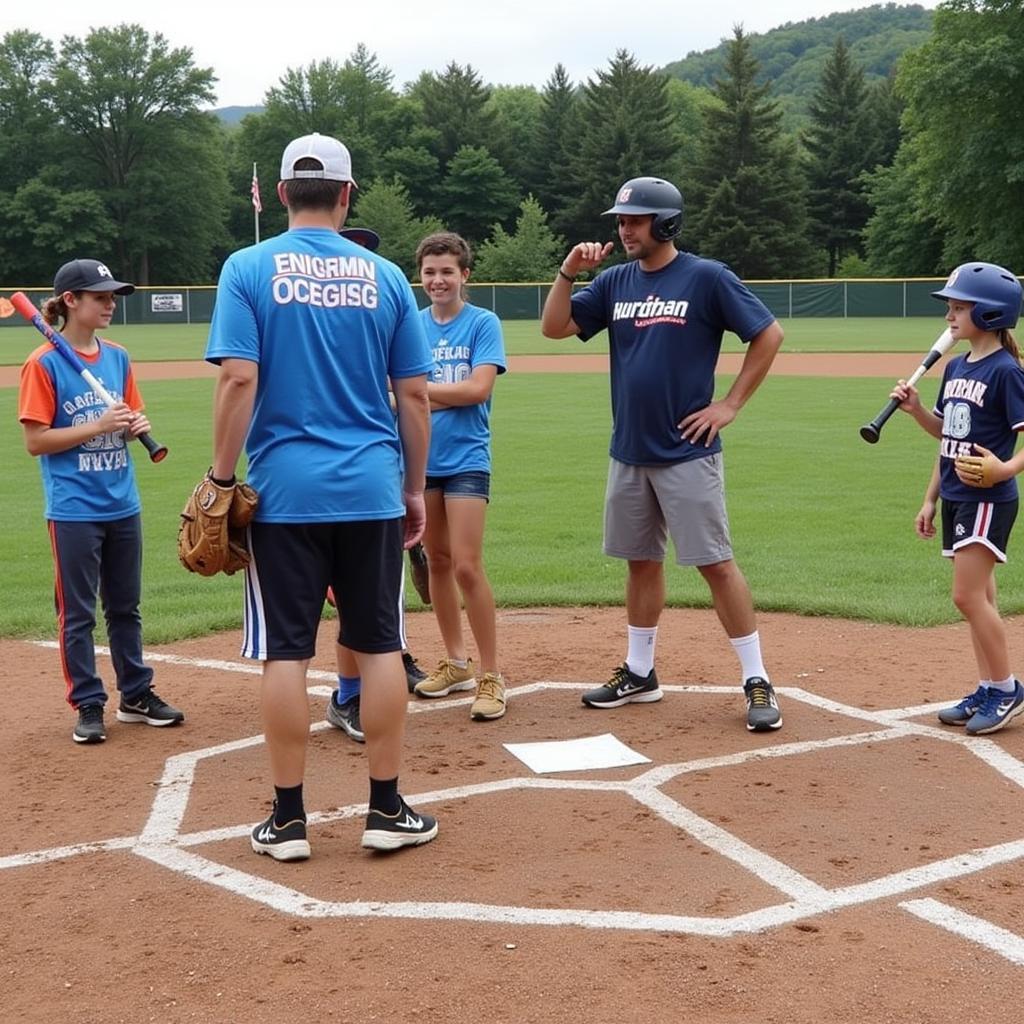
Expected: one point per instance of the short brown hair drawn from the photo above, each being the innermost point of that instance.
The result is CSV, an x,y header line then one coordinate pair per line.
x,y
312,193
445,243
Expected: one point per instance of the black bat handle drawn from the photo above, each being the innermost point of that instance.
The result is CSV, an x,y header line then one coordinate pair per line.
x,y
157,451
872,431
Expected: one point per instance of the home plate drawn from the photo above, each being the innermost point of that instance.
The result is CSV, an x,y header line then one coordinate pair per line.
x,y
580,755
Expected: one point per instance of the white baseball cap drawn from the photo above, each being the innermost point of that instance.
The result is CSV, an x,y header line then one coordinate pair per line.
x,y
334,159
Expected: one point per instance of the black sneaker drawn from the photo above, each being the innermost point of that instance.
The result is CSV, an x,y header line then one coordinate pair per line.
x,y
762,708
346,717
282,842
90,724
149,708
393,831
420,572
413,673
624,687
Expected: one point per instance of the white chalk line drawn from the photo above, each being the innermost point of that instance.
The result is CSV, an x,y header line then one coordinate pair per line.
x,y
162,842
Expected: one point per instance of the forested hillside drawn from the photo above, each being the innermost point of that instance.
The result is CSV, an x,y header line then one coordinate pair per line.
x,y
793,55
108,147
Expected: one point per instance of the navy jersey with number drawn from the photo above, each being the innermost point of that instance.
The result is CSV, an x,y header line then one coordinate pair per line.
x,y
665,332
980,402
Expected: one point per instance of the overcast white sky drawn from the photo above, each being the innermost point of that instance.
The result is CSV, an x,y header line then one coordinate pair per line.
x,y
249,45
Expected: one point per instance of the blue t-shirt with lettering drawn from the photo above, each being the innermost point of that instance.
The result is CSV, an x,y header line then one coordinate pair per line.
x,y
665,332
328,322
460,437
980,402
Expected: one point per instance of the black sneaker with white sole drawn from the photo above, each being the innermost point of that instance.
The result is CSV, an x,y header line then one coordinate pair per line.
x,y
393,831
762,707
282,842
149,708
413,673
624,687
90,724
346,717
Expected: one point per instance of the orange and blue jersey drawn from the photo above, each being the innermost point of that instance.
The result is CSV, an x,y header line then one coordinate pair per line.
x,y
95,480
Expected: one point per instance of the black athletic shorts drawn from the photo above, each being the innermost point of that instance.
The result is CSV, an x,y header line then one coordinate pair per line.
x,y
292,566
977,522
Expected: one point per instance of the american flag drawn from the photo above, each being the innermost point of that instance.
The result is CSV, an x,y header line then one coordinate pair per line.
x,y
256,191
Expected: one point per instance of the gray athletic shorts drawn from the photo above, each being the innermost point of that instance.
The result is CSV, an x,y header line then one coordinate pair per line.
x,y
643,505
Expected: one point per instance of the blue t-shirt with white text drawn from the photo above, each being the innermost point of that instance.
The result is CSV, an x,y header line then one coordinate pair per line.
x,y
460,436
328,322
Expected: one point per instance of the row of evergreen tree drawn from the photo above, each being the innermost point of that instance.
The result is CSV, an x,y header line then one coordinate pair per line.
x,y
105,148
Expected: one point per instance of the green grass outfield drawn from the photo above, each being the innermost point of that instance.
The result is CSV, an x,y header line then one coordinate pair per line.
x,y
155,342
822,522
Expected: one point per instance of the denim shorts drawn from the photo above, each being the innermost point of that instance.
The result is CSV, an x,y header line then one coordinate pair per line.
x,y
472,484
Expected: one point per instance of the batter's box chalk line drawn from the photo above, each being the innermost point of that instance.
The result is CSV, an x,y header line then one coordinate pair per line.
x,y
163,841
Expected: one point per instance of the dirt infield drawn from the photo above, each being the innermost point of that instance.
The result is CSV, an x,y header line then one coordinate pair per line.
x,y
862,864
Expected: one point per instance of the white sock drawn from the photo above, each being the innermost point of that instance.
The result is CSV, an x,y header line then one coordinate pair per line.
x,y
1007,685
748,650
640,656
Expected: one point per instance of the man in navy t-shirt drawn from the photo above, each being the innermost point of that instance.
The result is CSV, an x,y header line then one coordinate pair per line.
x,y
665,312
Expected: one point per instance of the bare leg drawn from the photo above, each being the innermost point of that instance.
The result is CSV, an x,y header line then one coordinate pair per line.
x,y
383,707
444,594
285,708
466,540
974,596
645,593
731,597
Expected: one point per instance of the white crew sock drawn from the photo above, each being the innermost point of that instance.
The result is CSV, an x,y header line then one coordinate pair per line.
x,y
640,656
748,650
1007,685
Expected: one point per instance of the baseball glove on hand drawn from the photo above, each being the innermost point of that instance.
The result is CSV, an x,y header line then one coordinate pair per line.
x,y
211,538
978,470
420,572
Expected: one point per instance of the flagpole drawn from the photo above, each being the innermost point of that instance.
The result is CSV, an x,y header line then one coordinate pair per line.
x,y
256,204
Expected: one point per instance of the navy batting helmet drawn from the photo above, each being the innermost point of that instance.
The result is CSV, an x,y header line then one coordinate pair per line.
x,y
995,292
655,196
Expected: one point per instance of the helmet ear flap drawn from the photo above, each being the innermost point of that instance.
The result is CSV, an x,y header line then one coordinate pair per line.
x,y
665,227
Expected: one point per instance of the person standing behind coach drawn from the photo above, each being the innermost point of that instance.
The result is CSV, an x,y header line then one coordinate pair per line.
x,y
666,312
307,329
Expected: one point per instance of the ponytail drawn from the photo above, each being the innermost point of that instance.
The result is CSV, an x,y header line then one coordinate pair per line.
x,y
55,309
1008,342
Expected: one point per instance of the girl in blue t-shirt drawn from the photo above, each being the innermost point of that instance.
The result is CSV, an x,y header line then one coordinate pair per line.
x,y
92,504
977,416
468,356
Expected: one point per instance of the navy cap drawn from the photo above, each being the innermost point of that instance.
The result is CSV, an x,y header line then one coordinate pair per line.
x,y
88,276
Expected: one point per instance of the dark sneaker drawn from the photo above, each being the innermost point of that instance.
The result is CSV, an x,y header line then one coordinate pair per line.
x,y
962,712
149,708
282,842
413,673
624,687
393,831
997,710
346,717
762,708
420,572
90,724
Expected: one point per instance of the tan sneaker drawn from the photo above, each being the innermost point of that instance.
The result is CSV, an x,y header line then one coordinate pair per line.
x,y
490,697
446,678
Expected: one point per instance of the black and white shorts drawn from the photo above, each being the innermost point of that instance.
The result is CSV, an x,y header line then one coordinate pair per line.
x,y
292,566
977,522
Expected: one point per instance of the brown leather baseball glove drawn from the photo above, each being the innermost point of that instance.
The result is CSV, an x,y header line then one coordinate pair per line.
x,y
211,537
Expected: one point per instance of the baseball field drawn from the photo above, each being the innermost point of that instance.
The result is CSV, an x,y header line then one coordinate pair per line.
x,y
863,864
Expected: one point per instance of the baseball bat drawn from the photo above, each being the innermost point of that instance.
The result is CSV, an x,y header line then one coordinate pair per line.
x,y
943,344
21,302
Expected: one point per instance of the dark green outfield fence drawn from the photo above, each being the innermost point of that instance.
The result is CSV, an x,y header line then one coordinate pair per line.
x,y
786,299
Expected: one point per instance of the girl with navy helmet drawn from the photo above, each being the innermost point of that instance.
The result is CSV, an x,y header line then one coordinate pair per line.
x,y
977,415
